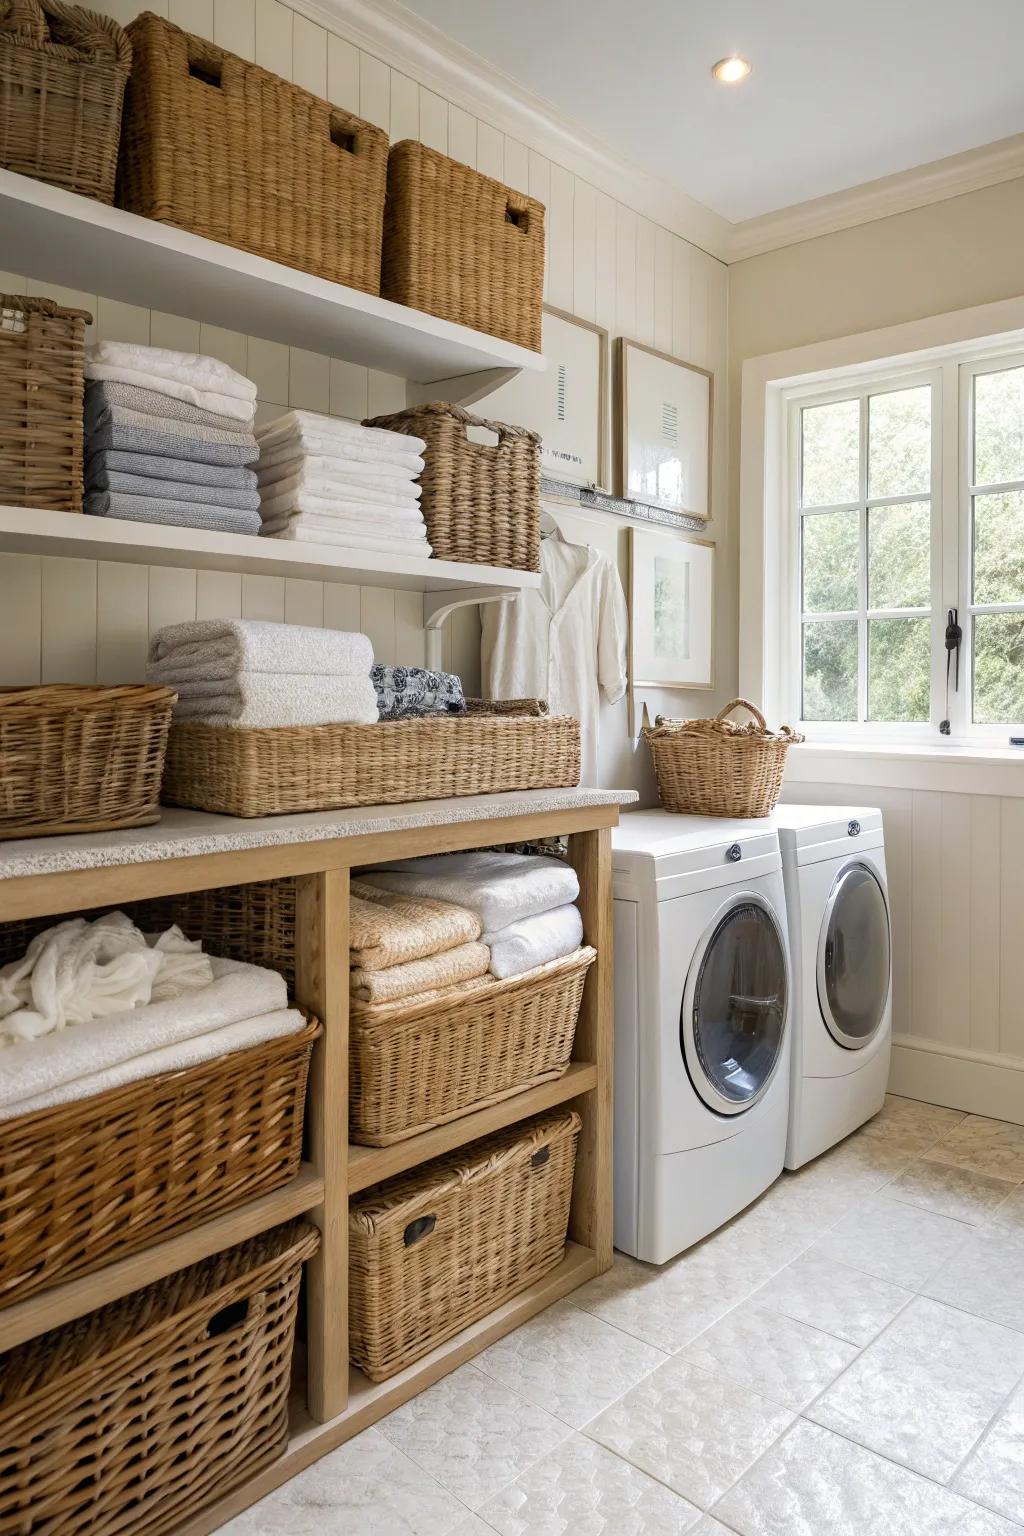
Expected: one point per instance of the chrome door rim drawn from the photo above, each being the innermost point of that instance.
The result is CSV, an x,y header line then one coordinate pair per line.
x,y
839,1035
702,1084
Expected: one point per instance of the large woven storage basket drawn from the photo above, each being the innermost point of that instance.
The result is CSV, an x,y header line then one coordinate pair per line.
x,y
256,772
62,77
717,768
480,501
42,390
433,1250
462,246
129,1421
92,1181
81,759
219,146
417,1065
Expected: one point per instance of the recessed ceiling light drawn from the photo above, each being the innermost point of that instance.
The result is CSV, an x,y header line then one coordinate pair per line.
x,y
732,70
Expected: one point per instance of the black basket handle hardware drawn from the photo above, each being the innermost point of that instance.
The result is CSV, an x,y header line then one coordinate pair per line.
x,y
420,1228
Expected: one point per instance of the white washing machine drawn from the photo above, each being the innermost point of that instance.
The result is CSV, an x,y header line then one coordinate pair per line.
x,y
833,860
701,1025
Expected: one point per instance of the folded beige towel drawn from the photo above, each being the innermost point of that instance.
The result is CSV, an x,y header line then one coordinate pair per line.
x,y
380,1013
430,974
387,928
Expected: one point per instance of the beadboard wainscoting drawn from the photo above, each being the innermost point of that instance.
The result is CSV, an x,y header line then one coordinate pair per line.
x,y
955,863
70,620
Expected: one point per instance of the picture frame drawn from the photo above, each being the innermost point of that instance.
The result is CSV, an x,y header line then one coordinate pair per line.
x,y
568,404
664,430
671,611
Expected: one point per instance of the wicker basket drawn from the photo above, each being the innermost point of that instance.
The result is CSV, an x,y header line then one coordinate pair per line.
x,y
42,389
480,502
326,767
535,707
717,768
129,1421
417,1065
94,1180
433,1250
462,246
115,738
219,146
62,77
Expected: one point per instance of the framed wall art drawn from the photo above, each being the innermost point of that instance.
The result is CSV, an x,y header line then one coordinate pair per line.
x,y
567,403
671,610
664,426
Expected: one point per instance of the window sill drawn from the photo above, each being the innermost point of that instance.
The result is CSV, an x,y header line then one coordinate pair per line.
x,y
956,768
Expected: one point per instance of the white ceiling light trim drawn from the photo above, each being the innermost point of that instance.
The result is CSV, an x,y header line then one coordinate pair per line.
x,y
732,70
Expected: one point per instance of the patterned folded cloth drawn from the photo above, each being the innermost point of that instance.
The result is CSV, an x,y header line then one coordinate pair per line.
x,y
405,691
158,468
132,397
176,514
387,929
174,490
432,973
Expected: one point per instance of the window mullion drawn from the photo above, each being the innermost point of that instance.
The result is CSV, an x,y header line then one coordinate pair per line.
x,y
862,583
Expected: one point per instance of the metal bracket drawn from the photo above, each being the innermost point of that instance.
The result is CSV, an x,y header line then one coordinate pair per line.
x,y
438,606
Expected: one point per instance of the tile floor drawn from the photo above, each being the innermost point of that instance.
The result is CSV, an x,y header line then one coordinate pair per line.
x,y
846,1358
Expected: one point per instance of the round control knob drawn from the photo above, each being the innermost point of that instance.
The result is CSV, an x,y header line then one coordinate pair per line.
x,y
734,853
854,829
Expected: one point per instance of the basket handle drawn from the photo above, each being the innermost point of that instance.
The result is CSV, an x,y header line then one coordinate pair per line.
x,y
345,132
418,1229
743,704
504,432
517,212
24,19
204,61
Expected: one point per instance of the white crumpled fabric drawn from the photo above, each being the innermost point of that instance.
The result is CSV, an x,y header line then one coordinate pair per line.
x,y
81,970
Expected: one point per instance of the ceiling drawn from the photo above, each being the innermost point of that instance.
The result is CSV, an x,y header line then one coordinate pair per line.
x,y
842,91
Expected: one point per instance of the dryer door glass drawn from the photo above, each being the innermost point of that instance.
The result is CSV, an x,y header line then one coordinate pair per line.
x,y
853,957
738,1014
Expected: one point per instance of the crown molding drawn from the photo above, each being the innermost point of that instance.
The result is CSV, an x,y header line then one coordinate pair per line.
x,y
403,40
916,188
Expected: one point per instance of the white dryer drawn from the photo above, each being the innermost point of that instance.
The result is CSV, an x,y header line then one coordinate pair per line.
x,y
833,860
701,1025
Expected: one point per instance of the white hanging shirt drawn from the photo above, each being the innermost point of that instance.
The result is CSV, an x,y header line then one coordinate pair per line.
x,y
564,641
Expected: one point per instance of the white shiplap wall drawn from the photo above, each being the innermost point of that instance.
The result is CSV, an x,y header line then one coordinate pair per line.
x,y
955,864
77,620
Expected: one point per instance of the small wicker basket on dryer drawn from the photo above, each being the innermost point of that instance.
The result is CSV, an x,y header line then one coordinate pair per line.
x,y
717,767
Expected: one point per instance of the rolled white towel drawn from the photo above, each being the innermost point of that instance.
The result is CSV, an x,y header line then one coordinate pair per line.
x,y
267,699
533,941
221,648
501,888
298,423
193,368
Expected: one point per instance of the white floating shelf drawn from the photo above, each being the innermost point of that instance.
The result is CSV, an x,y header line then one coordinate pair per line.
x,y
56,236
38,532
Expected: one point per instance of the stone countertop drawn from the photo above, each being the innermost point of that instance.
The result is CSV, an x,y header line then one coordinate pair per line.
x,y
184,833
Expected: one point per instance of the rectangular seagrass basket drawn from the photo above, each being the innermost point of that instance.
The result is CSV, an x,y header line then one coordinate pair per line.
x,y
461,245
63,72
217,145
265,772
480,501
132,1419
435,1249
97,1179
42,390
417,1065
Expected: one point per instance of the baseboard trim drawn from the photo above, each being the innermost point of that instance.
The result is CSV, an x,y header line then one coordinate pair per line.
x,y
977,1082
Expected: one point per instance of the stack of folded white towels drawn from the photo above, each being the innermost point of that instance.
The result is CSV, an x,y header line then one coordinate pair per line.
x,y
169,439
525,903
325,481
242,672
94,1005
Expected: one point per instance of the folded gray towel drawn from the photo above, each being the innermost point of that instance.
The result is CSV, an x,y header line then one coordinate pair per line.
x,y
157,468
102,415
100,393
173,490
169,443
178,514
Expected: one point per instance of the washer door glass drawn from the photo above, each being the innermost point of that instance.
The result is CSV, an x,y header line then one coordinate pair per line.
x,y
853,957
733,1037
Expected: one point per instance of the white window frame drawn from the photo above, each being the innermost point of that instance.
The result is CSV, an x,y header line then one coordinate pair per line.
x,y
969,371
861,387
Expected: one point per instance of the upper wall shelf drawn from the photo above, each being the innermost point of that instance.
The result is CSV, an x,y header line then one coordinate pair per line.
x,y
57,236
